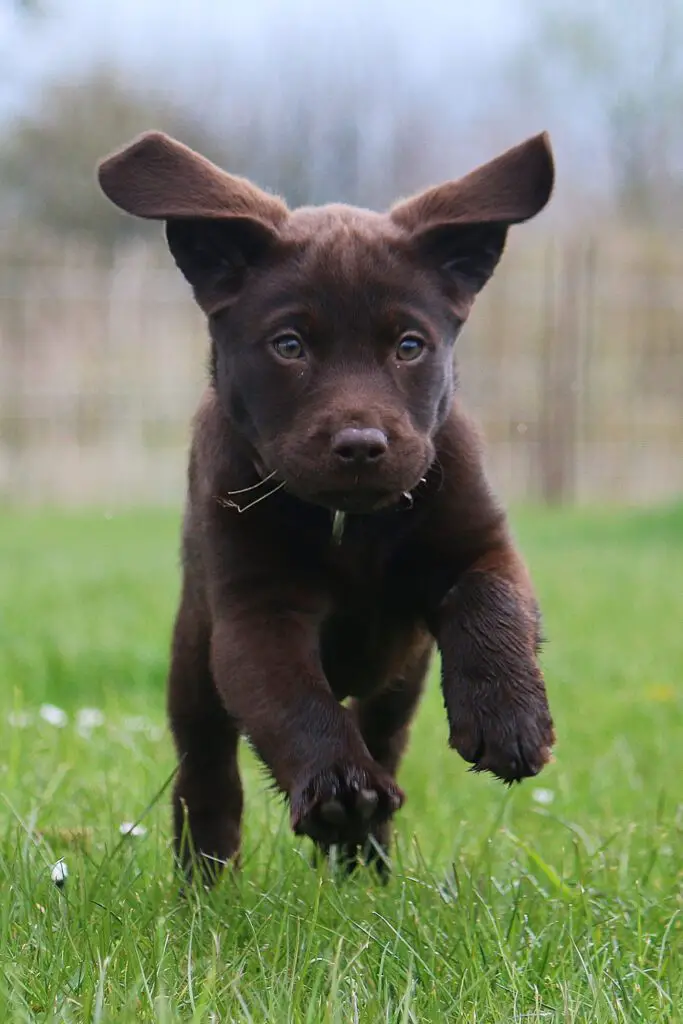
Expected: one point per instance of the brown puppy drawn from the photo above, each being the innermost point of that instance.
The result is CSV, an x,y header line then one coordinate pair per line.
x,y
338,520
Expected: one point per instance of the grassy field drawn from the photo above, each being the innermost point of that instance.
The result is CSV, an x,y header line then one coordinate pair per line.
x,y
558,901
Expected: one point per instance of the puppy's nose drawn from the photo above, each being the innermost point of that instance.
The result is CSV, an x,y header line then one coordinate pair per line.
x,y
360,445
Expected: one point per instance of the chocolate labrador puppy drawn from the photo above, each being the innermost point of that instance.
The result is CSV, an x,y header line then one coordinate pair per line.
x,y
338,523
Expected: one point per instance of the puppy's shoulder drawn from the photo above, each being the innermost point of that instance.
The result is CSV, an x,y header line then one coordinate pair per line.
x,y
210,447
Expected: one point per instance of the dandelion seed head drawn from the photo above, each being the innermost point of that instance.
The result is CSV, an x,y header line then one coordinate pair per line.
x,y
53,715
542,796
59,873
129,828
89,718
19,719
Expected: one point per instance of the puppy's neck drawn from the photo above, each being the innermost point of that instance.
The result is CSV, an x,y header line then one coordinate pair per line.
x,y
338,518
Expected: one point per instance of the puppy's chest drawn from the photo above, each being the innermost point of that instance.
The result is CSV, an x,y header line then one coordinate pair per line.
x,y
372,622
360,557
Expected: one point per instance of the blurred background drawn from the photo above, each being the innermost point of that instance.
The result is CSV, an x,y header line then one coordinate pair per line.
x,y
573,358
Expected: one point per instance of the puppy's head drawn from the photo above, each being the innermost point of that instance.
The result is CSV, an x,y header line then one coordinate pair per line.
x,y
332,327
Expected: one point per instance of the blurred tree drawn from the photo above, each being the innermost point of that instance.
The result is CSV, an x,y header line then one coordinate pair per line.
x,y
48,155
25,6
628,71
306,147
21,12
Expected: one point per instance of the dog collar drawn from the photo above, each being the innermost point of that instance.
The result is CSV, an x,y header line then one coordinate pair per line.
x,y
339,518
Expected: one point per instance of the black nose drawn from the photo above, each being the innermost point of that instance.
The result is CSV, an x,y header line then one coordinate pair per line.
x,y
360,444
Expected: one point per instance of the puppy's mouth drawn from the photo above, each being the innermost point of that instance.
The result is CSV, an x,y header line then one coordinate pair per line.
x,y
359,496
358,501
360,491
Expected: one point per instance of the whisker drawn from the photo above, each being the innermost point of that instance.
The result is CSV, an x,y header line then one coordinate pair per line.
x,y
259,483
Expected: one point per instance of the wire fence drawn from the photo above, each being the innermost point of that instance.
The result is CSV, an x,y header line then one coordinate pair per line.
x,y
572,362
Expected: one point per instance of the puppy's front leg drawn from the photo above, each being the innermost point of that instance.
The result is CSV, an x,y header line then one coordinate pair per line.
x,y
267,669
493,688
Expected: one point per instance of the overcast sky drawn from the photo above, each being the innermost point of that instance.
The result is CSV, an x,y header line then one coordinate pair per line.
x,y
455,55
430,36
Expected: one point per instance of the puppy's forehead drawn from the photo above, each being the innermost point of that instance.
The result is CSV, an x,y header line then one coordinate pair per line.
x,y
345,241
336,220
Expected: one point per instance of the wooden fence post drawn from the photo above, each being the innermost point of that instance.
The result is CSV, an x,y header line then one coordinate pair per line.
x,y
559,376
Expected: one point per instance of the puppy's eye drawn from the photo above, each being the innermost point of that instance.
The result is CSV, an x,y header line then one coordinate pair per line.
x,y
289,346
409,348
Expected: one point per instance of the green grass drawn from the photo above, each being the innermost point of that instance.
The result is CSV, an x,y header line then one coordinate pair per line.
x,y
502,908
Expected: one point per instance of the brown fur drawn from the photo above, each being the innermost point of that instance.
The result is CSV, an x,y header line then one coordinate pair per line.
x,y
315,407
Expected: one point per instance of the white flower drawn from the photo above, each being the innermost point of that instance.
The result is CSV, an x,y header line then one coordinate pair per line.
x,y
542,796
19,719
53,715
129,828
136,723
59,873
89,718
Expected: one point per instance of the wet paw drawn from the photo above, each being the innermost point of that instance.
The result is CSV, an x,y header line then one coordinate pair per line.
x,y
344,804
509,732
492,684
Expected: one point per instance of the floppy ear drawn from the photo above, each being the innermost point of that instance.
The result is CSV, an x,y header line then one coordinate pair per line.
x,y
217,224
460,227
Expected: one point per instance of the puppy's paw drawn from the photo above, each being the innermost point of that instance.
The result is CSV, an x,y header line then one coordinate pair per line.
x,y
502,728
344,804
